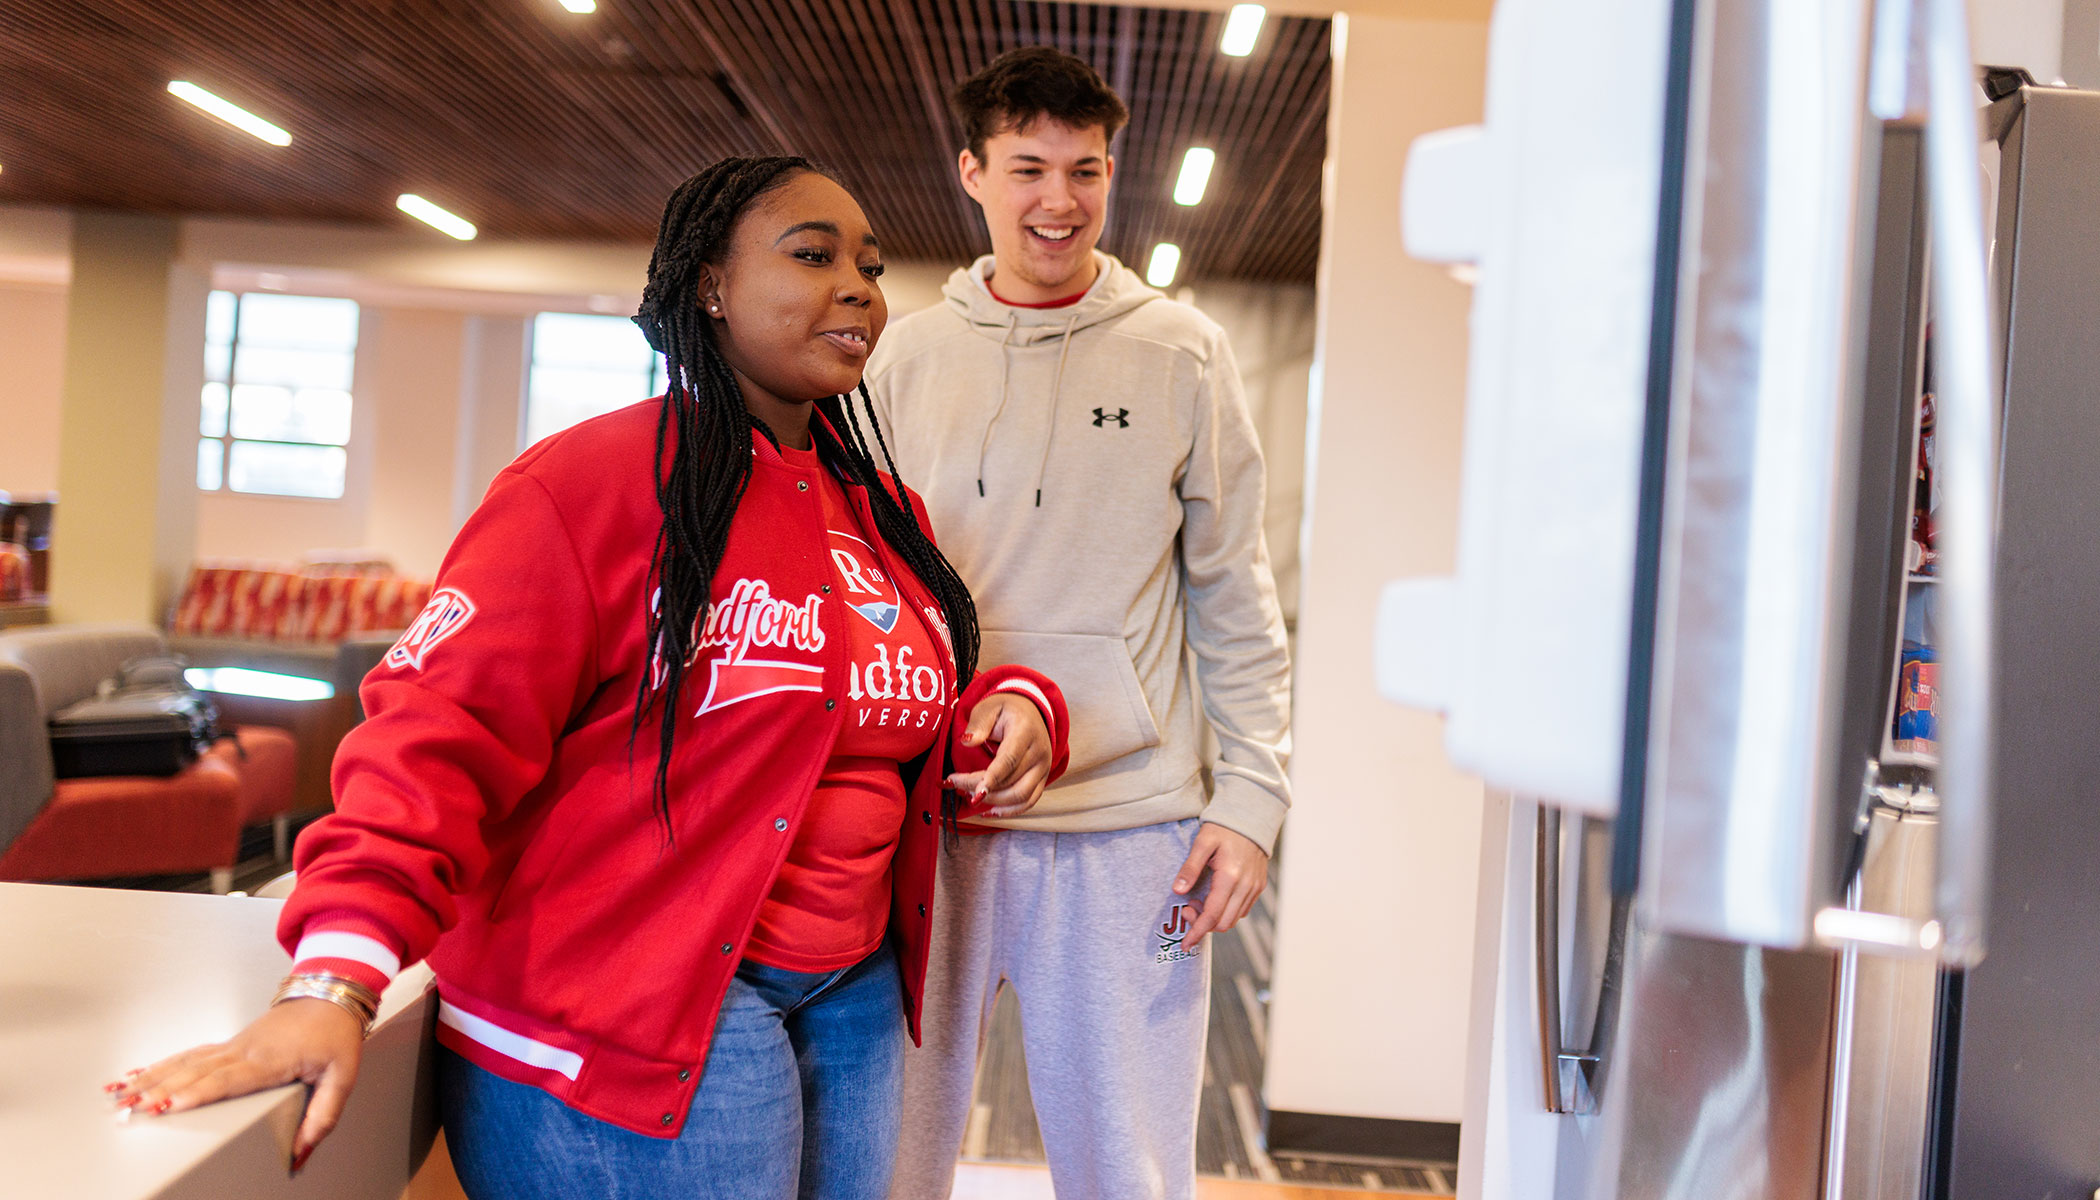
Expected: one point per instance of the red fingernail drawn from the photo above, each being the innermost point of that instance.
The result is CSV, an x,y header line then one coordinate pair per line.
x,y
135,1071
113,1087
129,1102
299,1159
162,1107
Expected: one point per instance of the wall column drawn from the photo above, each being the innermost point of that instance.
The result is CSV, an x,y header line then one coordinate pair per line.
x,y
126,521
1381,854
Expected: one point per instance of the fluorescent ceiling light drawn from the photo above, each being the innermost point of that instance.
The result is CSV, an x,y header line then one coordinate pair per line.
x,y
1195,175
1166,259
580,6
1241,28
430,214
231,114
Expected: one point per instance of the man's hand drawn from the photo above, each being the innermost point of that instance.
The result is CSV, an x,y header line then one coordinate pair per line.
x,y
1014,781
1239,872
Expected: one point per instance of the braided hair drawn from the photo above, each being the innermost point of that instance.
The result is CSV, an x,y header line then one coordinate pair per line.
x,y
704,430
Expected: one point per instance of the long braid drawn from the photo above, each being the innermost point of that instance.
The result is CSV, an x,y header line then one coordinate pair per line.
x,y
703,436
899,527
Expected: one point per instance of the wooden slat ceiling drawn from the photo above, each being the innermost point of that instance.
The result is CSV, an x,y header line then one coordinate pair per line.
x,y
533,122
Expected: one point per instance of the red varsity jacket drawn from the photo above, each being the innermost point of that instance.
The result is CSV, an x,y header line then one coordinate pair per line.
x,y
495,811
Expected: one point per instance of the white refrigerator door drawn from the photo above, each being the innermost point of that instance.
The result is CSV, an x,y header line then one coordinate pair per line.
x,y
1553,200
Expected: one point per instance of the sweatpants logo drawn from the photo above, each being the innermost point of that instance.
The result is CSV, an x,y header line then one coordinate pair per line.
x,y
1170,933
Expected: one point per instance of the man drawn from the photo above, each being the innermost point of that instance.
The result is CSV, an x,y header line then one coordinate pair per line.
x,y
1091,470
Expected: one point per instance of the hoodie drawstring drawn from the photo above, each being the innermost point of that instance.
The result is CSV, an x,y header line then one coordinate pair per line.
x,y
1005,375
1057,391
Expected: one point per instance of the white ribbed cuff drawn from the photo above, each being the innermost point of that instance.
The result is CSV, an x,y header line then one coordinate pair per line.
x,y
352,947
1029,689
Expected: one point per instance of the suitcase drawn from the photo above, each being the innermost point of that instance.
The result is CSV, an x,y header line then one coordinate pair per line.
x,y
145,732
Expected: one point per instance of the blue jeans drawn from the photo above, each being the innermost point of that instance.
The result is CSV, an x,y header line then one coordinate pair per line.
x,y
801,1097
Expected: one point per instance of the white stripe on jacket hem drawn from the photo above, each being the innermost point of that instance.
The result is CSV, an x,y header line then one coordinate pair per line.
x,y
511,1044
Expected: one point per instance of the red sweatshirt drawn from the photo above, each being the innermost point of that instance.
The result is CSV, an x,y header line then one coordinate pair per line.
x,y
493,814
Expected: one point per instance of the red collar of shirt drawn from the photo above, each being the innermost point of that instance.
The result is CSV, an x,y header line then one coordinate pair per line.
x,y
1067,302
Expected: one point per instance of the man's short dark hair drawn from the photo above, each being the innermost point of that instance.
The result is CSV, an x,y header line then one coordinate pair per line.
x,y
1021,86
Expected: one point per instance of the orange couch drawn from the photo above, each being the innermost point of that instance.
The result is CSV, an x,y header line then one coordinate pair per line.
x,y
287,617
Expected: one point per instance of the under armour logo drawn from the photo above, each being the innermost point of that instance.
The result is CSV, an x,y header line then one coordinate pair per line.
x,y
1121,417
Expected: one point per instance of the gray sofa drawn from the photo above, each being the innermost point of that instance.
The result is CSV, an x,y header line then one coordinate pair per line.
x,y
43,669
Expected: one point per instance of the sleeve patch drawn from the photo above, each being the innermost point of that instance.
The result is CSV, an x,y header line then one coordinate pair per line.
x,y
447,613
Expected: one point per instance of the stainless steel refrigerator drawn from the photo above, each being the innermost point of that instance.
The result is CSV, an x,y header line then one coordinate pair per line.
x,y
1739,937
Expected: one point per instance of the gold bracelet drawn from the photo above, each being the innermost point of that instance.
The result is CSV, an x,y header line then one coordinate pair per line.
x,y
348,994
363,997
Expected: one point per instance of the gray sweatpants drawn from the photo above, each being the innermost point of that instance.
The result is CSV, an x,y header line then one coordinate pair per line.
x,y
1086,929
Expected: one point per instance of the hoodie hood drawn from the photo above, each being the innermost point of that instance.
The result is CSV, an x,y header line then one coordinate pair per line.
x,y
1116,290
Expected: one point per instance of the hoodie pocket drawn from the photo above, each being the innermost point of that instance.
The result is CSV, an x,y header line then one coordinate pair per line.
x,y
1110,717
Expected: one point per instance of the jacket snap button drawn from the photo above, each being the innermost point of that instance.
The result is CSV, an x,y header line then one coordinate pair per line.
x,y
830,704
802,485
780,823
922,910
684,1075
927,817
668,1118
727,948
827,589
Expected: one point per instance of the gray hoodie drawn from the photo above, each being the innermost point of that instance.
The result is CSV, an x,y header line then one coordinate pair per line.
x,y
1094,476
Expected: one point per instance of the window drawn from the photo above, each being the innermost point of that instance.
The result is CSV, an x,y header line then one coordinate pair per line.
x,y
583,366
276,414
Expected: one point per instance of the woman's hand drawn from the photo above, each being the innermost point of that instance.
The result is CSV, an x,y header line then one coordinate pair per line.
x,y
310,1041
1014,781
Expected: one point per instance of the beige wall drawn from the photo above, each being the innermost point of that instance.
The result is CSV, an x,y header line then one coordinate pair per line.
x,y
441,368
36,258
1380,856
32,324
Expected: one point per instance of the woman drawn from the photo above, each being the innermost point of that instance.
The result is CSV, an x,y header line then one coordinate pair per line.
x,y
655,781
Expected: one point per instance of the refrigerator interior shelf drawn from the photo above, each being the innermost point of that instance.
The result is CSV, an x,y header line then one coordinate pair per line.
x,y
1890,756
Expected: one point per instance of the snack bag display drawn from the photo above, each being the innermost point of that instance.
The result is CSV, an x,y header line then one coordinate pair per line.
x,y
1917,699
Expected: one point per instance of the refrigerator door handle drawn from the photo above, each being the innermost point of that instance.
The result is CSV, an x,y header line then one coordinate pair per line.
x,y
1967,417
1545,926
1571,1077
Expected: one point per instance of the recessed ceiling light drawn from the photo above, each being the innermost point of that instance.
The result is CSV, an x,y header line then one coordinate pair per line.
x,y
580,6
1166,259
232,114
1241,29
430,214
1195,175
